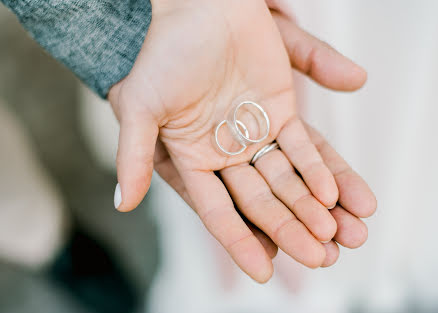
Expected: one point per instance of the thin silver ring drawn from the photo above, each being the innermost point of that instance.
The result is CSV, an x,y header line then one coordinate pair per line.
x,y
216,134
266,149
245,137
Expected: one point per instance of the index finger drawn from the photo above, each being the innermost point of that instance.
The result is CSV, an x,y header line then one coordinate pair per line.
x,y
216,209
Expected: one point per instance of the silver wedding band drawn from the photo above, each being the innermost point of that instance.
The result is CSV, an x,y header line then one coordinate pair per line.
x,y
242,138
266,149
216,134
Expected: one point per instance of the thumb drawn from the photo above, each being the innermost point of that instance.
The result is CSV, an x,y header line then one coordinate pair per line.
x,y
135,156
317,59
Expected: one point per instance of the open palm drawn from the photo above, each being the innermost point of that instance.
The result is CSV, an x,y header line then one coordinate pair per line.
x,y
196,63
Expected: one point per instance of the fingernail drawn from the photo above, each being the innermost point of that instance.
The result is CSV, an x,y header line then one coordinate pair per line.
x,y
332,207
117,196
325,241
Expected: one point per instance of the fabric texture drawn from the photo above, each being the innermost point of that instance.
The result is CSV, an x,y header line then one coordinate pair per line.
x,y
98,40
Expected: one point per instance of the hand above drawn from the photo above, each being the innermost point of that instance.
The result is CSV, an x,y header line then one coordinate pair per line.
x,y
198,58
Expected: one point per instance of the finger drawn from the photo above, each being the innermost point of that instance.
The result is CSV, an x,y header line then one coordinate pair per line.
x,y
288,187
354,193
134,161
270,247
352,232
317,59
215,208
164,166
256,201
331,253
302,153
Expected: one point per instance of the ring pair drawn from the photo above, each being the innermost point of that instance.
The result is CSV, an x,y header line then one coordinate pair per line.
x,y
240,131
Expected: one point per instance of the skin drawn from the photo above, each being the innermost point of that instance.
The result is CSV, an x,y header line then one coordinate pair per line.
x,y
198,59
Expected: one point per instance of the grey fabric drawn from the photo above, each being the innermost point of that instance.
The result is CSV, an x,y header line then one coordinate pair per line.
x,y
98,40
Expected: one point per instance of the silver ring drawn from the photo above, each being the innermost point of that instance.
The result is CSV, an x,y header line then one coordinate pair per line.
x,y
245,137
266,149
242,137
216,134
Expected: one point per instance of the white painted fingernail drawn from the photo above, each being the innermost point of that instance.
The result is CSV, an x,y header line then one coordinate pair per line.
x,y
332,207
117,196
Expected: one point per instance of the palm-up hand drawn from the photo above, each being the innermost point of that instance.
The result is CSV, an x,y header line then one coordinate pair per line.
x,y
198,58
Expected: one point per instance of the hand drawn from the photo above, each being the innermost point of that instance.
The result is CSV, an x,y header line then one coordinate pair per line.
x,y
329,68
356,200
182,88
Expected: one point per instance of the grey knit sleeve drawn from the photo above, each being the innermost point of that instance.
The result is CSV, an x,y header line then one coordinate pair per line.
x,y
98,40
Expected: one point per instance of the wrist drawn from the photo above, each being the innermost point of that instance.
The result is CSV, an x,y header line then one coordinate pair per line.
x,y
169,5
